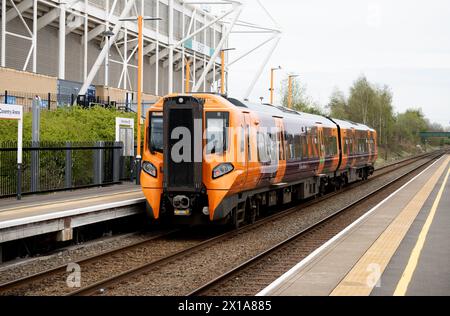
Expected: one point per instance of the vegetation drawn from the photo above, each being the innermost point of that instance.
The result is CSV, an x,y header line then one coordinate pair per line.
x,y
300,100
371,104
68,124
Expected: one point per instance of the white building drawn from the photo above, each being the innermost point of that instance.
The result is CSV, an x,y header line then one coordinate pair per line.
x,y
65,39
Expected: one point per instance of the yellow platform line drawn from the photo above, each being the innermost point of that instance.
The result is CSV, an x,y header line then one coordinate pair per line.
x,y
366,274
403,284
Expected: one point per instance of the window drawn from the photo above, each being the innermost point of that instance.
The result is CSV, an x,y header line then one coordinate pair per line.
x,y
156,132
249,149
290,147
330,146
242,140
217,124
304,145
263,152
362,145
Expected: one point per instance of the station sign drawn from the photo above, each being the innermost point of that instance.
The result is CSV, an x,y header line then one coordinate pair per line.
x,y
199,47
10,112
125,134
15,112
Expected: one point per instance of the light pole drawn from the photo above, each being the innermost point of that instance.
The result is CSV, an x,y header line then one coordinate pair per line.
x,y
140,19
271,82
187,84
222,72
290,90
108,35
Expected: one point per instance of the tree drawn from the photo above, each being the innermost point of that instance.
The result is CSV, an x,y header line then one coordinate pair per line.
x,y
300,100
337,106
362,100
409,125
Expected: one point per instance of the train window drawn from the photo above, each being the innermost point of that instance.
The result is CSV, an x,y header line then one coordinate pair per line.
x,y
242,139
217,124
298,147
156,132
274,147
249,148
263,148
304,145
331,146
362,145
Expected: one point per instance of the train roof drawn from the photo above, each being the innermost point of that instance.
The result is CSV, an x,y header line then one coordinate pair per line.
x,y
282,112
350,124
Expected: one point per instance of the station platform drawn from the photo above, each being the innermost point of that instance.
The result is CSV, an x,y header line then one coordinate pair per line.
x,y
62,211
400,247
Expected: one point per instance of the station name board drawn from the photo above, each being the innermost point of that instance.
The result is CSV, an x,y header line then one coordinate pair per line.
x,y
199,47
10,112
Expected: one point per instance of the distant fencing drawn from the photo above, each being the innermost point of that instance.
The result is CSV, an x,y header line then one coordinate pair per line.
x,y
51,166
51,101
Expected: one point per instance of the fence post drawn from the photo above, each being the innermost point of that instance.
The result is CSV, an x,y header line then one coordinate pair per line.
x,y
34,166
35,126
117,152
19,181
68,167
49,101
6,96
98,163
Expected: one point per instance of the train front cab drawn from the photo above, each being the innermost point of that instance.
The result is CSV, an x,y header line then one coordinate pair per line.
x,y
190,186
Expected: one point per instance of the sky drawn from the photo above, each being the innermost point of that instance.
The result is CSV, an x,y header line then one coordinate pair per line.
x,y
329,43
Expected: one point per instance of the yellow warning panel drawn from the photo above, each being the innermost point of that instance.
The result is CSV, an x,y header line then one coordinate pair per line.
x,y
365,275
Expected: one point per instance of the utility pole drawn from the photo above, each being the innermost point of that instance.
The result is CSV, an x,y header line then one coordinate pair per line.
x,y
222,59
140,19
271,82
187,84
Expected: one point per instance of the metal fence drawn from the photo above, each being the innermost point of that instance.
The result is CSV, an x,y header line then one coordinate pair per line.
x,y
51,101
50,166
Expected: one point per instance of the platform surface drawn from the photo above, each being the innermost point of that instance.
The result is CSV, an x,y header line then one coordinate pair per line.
x,y
399,248
40,214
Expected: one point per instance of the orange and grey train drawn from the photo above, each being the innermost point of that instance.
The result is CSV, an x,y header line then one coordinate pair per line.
x,y
208,158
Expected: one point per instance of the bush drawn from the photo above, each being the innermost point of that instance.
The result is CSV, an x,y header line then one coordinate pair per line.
x,y
74,124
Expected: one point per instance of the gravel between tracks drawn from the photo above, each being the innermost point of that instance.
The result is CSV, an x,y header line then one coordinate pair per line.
x,y
111,265
25,267
185,275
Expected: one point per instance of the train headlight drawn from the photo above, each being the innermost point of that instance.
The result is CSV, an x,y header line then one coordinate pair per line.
x,y
149,168
222,170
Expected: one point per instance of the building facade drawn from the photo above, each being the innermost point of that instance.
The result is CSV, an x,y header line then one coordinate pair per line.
x,y
86,43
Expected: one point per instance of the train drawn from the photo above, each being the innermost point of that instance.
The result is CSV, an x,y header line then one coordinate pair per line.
x,y
208,158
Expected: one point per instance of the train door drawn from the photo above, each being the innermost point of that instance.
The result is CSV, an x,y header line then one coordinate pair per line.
x,y
247,157
281,170
320,149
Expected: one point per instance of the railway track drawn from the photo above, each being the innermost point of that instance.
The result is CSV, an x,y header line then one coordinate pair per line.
x,y
19,285
104,285
261,270
100,285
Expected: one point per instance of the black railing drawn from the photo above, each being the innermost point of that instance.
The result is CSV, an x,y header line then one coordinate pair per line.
x,y
50,166
51,101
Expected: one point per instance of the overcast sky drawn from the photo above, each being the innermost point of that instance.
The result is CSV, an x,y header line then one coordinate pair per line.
x,y
404,44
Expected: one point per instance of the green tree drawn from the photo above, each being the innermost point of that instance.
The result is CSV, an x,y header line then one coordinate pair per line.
x,y
300,100
337,106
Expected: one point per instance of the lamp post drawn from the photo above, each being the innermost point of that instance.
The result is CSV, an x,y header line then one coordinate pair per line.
x,y
222,72
290,90
271,82
187,84
108,35
140,19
